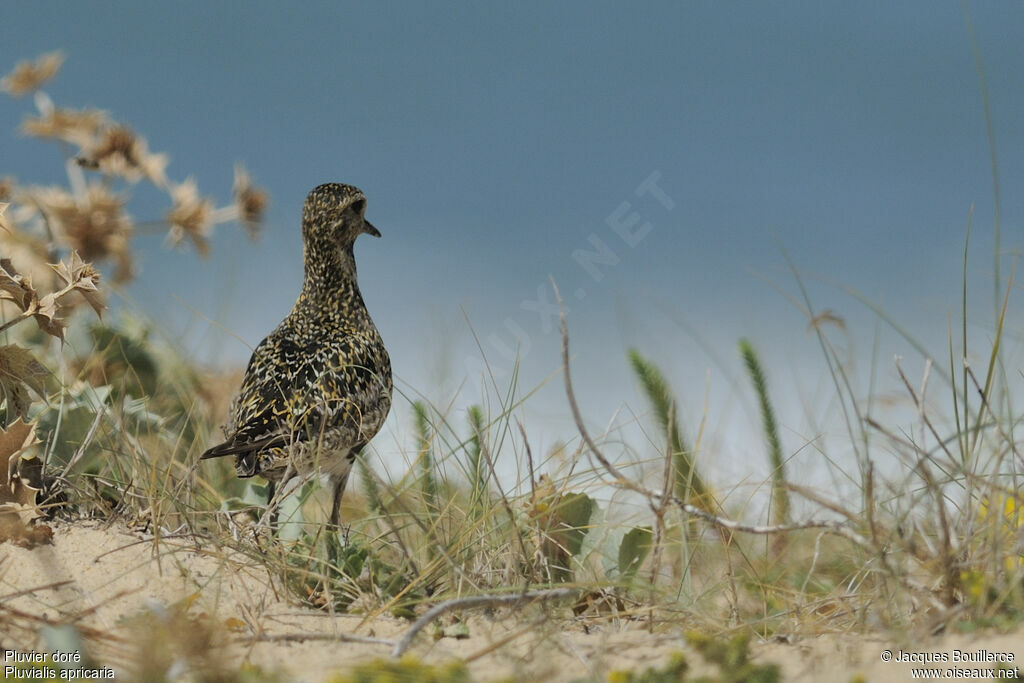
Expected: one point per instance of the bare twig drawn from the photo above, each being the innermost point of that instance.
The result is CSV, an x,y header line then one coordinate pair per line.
x,y
83,630
304,637
36,589
471,602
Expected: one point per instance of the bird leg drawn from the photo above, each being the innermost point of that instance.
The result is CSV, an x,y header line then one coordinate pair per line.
x,y
339,490
275,494
271,504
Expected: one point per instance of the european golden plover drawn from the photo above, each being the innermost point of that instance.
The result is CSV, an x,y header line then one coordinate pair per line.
x,y
318,388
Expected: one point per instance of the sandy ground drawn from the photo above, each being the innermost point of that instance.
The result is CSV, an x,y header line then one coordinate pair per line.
x,y
119,583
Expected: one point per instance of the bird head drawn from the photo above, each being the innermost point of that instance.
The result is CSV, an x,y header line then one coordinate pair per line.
x,y
334,213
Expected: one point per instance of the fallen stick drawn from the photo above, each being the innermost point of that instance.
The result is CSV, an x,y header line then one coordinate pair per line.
x,y
471,602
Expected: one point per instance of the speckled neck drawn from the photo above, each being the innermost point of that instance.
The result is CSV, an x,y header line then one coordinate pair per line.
x,y
330,280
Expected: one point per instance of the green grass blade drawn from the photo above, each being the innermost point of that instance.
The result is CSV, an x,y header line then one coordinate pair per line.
x,y
425,459
689,485
780,495
370,488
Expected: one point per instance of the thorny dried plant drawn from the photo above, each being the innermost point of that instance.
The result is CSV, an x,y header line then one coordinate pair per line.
x,y
30,75
18,506
120,152
55,240
90,215
16,288
79,127
250,201
191,217
95,224
19,372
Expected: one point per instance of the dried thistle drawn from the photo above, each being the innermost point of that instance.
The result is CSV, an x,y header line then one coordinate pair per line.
x,y
28,76
80,127
30,251
18,289
191,216
91,218
97,226
14,286
18,506
82,277
120,152
250,201
20,372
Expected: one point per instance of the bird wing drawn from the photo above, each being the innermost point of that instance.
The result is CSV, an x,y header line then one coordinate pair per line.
x,y
293,390
253,424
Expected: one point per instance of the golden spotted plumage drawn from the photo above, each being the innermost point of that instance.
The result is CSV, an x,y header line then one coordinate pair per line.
x,y
318,388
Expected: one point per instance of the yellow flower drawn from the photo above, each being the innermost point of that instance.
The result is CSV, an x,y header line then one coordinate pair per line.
x,y
1009,524
973,583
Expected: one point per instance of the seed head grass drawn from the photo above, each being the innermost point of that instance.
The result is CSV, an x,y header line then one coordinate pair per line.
x,y
780,495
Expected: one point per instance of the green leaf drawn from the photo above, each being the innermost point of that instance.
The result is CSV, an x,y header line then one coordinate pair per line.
x,y
255,494
349,558
234,504
633,550
574,509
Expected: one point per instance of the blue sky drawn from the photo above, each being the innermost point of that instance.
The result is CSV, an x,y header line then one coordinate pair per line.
x,y
495,140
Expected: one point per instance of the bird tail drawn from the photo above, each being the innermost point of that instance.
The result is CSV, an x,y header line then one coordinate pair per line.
x,y
236,446
220,450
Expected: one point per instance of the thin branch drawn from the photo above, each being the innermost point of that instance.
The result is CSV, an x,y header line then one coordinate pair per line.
x,y
36,589
303,637
24,315
471,602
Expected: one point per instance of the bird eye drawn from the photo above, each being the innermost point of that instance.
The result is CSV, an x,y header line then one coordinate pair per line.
x,y
359,206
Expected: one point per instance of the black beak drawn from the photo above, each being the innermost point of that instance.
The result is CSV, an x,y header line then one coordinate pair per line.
x,y
369,229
